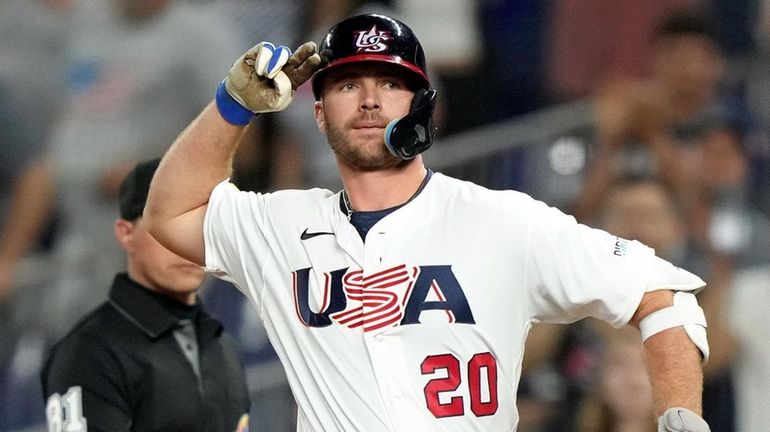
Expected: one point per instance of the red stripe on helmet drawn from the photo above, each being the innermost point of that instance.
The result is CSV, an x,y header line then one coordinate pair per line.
x,y
379,58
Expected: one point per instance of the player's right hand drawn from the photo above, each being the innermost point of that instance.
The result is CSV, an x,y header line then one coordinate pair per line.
x,y
256,80
681,420
302,64
264,79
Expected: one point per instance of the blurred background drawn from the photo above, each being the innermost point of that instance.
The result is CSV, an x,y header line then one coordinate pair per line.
x,y
648,119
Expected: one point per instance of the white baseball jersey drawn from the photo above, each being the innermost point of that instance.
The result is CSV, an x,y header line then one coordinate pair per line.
x,y
422,327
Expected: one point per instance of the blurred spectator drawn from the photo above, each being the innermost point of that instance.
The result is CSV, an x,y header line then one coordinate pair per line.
x,y
640,124
642,208
622,400
33,34
138,71
21,283
716,189
29,89
724,221
698,150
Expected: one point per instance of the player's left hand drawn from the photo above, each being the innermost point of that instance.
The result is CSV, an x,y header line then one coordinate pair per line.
x,y
681,420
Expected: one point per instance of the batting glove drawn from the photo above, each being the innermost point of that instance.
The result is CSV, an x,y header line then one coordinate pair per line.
x,y
302,64
681,420
257,82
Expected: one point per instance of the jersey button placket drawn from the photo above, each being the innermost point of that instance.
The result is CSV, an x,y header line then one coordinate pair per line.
x,y
381,353
371,266
376,341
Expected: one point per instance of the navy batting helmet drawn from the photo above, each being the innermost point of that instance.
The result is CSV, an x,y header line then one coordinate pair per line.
x,y
372,37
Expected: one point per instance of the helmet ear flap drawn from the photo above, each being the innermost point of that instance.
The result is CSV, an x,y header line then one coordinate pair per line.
x,y
412,134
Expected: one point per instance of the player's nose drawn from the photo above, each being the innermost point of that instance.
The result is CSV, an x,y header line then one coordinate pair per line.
x,y
370,99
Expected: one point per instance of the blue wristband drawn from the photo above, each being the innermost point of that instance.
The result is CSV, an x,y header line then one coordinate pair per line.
x,y
230,109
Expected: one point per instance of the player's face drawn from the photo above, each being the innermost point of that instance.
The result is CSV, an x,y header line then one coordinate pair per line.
x,y
359,100
156,267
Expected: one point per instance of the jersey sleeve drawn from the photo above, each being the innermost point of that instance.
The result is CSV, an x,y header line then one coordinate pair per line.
x,y
84,374
233,234
575,271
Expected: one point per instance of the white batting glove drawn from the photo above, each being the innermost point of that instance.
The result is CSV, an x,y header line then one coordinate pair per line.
x,y
681,420
264,80
256,80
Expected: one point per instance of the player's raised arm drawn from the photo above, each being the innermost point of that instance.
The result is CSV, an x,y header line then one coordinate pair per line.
x,y
262,80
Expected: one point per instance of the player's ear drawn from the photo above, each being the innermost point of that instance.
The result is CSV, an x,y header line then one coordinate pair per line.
x,y
320,118
124,230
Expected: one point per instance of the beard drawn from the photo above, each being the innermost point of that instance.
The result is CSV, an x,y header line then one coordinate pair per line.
x,y
370,154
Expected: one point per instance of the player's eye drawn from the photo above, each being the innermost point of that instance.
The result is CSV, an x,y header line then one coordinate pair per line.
x,y
393,84
347,86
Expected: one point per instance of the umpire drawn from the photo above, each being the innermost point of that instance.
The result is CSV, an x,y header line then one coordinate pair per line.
x,y
149,358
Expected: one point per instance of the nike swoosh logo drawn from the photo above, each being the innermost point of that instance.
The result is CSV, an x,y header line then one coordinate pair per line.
x,y
308,235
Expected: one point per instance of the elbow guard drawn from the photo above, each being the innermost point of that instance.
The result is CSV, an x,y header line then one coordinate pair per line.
x,y
684,312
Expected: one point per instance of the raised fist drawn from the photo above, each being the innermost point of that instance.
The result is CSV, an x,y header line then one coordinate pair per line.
x,y
256,81
264,79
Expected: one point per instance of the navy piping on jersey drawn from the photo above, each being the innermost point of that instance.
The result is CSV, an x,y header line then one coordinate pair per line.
x,y
363,221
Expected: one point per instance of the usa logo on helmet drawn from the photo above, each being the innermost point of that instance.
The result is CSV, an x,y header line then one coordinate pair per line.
x,y
372,40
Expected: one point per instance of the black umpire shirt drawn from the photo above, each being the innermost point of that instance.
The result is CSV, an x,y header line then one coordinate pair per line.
x,y
128,360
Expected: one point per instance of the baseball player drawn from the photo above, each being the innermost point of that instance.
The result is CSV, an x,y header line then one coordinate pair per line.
x,y
402,302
